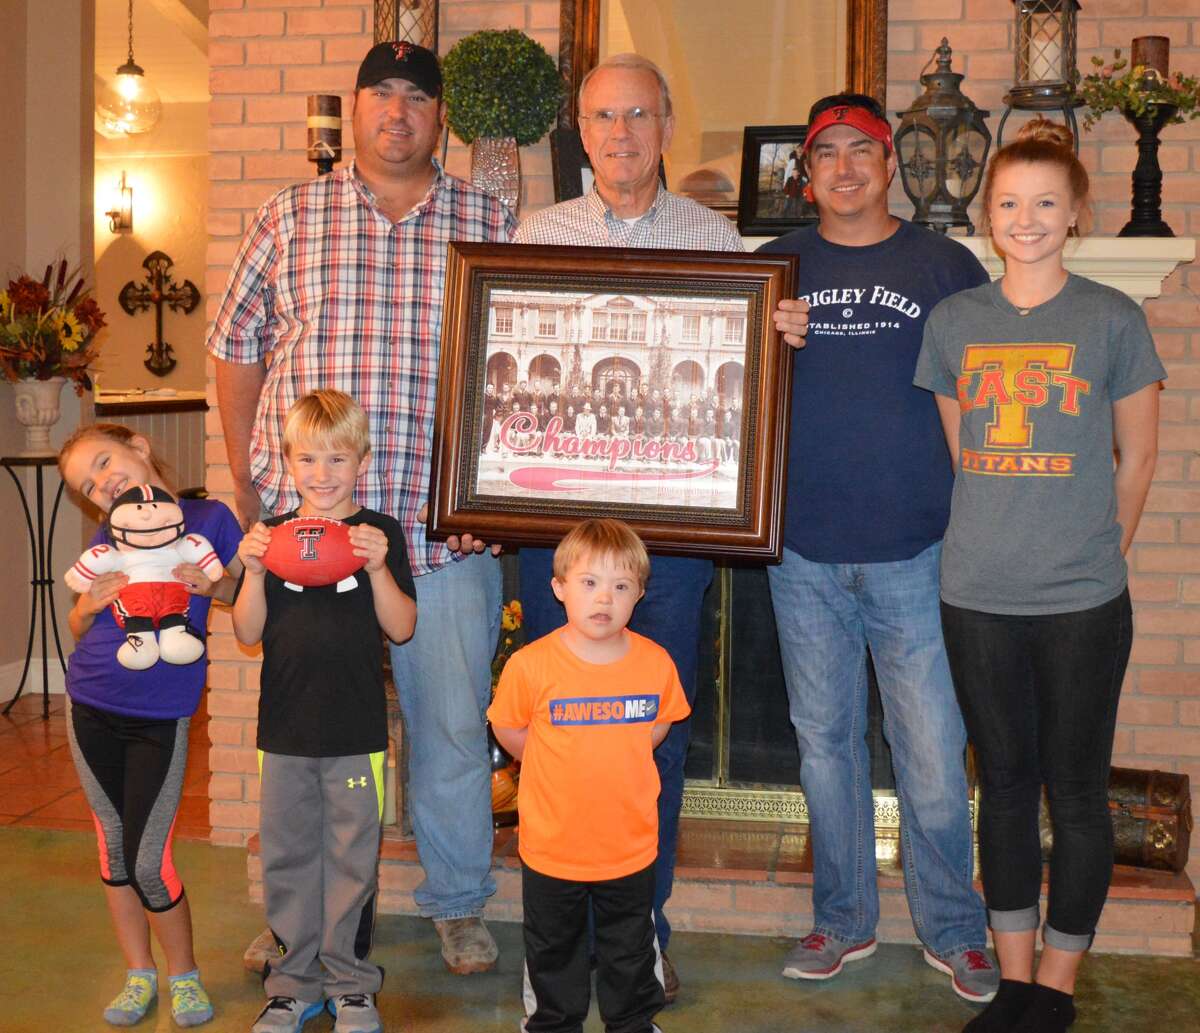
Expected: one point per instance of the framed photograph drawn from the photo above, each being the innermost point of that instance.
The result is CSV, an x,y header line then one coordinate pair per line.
x,y
771,195
573,175
646,385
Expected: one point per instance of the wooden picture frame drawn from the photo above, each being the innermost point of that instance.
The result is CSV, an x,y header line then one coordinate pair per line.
x,y
532,335
771,195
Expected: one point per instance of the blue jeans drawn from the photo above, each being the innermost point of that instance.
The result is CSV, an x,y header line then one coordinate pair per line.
x,y
827,615
669,614
443,680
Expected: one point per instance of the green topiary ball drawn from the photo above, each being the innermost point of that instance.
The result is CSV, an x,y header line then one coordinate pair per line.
x,y
500,83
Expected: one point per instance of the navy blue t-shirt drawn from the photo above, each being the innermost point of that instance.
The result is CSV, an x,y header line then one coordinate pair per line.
x,y
869,475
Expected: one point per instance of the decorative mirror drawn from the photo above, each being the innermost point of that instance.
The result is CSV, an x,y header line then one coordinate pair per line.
x,y
753,62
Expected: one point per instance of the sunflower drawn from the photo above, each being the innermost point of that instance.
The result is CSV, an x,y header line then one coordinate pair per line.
x,y
70,332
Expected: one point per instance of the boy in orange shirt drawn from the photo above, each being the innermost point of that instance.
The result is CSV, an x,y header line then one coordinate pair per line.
x,y
583,709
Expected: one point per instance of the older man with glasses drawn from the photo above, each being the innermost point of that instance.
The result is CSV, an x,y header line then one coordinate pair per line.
x,y
626,123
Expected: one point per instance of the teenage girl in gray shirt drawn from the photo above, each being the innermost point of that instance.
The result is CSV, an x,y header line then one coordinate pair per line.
x,y
1039,377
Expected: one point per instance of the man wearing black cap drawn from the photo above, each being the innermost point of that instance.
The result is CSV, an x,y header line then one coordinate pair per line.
x,y
339,282
868,500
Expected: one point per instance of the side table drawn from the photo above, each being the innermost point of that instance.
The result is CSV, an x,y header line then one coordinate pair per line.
x,y
41,541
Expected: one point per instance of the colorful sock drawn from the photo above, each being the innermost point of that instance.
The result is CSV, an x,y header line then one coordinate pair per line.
x,y
190,1005
1009,1004
128,1007
1050,1011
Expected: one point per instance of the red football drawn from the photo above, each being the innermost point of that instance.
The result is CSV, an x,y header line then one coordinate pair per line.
x,y
311,551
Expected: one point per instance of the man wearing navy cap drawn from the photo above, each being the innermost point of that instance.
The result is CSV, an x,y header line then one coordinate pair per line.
x,y
868,500
338,284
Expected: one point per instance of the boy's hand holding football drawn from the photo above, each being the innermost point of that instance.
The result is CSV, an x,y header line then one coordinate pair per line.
x,y
253,547
370,543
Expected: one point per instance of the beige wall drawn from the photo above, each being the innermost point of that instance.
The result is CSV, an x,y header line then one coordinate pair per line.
x,y
169,196
46,172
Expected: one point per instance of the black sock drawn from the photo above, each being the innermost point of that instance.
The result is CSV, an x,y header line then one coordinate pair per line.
x,y
1051,1011
1011,1001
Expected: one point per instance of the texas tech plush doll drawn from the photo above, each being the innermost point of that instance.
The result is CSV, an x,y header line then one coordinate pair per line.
x,y
145,527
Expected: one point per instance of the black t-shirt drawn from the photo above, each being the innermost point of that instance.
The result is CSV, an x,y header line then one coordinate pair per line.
x,y
322,689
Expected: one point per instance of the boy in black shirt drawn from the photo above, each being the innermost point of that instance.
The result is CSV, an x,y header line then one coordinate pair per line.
x,y
322,727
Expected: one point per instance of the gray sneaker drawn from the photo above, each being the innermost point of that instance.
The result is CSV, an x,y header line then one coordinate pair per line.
x,y
355,1013
971,973
285,1015
467,945
820,956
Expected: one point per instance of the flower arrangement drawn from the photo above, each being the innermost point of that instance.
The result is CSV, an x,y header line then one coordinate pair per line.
x,y
501,83
511,617
48,331
1105,90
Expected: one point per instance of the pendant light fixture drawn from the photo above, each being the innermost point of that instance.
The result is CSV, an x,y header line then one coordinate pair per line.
x,y
129,104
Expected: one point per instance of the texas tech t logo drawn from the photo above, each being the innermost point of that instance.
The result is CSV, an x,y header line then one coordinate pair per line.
x,y
1016,382
308,537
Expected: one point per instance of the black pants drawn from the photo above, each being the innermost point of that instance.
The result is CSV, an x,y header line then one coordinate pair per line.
x,y
557,963
1039,697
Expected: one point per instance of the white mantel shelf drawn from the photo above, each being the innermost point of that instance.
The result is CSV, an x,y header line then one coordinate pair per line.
x,y
1135,265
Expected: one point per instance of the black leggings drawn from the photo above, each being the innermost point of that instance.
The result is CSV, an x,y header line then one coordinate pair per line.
x,y
131,770
1039,697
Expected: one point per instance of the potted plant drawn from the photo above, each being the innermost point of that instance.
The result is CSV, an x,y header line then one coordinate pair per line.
x,y
47,337
502,92
1149,101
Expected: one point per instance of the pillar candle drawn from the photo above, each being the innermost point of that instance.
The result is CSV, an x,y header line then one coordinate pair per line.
x,y
1152,52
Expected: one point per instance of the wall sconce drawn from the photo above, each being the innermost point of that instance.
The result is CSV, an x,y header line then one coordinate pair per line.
x,y
120,215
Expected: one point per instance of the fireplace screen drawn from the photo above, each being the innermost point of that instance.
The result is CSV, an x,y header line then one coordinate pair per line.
x,y
743,762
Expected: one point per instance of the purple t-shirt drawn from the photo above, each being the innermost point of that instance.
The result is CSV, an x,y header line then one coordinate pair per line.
x,y
165,691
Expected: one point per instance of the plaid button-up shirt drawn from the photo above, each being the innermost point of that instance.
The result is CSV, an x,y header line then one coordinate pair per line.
x,y
333,294
671,222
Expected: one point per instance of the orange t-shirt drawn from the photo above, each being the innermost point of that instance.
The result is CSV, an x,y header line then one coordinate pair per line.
x,y
588,794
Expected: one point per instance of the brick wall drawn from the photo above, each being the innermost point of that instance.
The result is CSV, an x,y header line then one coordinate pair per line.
x,y
1160,707
267,55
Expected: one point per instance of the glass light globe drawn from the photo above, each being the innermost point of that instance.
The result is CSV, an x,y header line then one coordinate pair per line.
x,y
128,103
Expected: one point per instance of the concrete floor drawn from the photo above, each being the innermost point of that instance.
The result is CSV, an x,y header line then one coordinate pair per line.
x,y
59,966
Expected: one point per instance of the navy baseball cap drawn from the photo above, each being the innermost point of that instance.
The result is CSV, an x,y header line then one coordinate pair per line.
x,y
401,60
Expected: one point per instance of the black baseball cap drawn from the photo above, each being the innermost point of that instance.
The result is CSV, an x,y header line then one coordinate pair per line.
x,y
401,60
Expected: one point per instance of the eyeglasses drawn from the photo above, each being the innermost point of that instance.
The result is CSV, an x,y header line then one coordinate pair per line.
x,y
635,118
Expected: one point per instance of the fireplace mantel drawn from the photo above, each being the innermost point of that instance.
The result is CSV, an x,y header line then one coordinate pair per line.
x,y
1135,265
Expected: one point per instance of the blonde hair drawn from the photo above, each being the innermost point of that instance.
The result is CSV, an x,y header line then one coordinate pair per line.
x,y
327,419
613,539
118,434
1041,141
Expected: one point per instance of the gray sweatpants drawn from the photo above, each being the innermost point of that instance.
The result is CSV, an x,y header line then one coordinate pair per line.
x,y
319,824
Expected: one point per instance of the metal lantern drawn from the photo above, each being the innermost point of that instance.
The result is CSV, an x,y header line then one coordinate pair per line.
x,y
942,146
1046,74
413,20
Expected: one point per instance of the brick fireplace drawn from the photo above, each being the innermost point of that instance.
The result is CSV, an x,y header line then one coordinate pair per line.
x,y
266,55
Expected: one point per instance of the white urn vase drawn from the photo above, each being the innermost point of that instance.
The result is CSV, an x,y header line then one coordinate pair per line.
x,y
38,409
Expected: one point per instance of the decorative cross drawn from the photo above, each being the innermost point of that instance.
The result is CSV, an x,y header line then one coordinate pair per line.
x,y
159,289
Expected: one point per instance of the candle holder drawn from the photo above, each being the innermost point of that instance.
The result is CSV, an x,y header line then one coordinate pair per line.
x,y
1149,98
1044,76
1146,212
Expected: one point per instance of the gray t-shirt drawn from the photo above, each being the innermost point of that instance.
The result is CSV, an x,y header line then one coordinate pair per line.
x,y
1033,525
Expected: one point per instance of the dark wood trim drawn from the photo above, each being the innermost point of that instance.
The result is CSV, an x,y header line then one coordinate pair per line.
x,y
151,407
866,49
